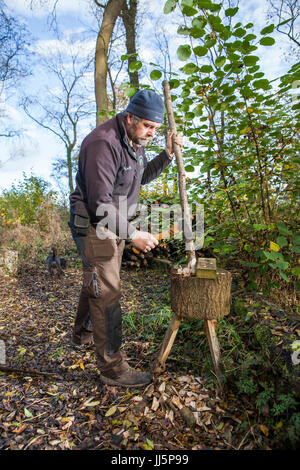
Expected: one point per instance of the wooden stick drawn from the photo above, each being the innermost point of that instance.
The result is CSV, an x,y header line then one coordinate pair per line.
x,y
28,372
181,176
210,330
167,344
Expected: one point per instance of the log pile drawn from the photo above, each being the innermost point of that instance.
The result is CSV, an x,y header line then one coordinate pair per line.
x,y
165,253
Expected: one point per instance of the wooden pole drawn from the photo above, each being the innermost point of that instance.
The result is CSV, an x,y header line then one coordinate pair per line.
x,y
187,232
210,327
167,344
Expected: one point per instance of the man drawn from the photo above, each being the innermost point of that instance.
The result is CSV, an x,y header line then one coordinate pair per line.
x,y
111,167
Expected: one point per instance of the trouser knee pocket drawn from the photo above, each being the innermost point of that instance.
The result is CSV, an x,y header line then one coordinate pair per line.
x,y
91,282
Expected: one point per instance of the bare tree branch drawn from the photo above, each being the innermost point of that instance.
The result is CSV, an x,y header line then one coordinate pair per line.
x,y
62,109
287,15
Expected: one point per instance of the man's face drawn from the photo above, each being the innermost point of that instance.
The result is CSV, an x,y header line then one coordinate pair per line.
x,y
141,132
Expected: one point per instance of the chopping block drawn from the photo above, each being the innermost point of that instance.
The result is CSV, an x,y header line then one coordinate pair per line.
x,y
204,294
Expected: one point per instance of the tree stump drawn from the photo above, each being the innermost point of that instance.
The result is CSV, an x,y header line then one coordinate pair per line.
x,y
192,297
207,299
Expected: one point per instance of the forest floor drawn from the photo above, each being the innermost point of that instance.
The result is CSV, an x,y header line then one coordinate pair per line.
x,y
181,410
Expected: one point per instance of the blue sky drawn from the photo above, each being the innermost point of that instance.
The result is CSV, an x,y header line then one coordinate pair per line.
x,y
35,150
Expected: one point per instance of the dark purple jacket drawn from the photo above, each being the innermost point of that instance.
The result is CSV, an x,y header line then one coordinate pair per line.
x,y
109,168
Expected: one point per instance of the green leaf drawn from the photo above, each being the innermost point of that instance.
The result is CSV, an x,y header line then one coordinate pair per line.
x,y
285,21
296,239
184,52
282,241
231,11
267,41
282,228
189,116
188,11
185,93
134,66
268,29
263,83
273,255
206,68
130,91
282,264
284,276
210,42
155,74
170,5
127,56
204,4
250,60
220,61
240,32
200,51
184,30
296,271
187,3
189,168
196,33
174,83
259,227
199,22
249,37
190,68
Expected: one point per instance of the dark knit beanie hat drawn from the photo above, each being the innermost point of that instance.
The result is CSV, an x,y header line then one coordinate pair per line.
x,y
147,105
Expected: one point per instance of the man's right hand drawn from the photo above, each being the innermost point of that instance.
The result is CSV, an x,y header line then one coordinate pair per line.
x,y
144,241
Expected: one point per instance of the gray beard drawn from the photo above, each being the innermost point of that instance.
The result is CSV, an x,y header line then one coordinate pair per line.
x,y
137,141
141,141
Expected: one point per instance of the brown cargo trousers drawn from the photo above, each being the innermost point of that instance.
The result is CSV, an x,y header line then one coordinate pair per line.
x,y
100,299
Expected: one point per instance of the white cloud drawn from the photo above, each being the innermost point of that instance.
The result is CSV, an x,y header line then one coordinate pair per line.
x,y
49,47
63,6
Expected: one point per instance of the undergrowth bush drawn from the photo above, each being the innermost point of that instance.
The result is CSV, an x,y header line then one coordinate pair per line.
x,y
31,219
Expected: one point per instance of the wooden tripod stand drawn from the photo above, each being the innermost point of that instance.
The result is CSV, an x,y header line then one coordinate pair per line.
x,y
193,297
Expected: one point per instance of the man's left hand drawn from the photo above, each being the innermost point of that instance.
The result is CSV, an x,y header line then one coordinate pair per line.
x,y
173,138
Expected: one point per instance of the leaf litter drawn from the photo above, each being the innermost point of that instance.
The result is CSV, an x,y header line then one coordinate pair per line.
x,y
176,411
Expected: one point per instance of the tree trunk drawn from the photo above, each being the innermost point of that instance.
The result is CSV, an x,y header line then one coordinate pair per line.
x,y
111,13
129,20
70,170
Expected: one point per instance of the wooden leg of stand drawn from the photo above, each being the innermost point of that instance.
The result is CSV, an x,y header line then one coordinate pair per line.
x,y
167,344
210,330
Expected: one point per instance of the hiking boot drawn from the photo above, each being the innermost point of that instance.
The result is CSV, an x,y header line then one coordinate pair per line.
x,y
129,378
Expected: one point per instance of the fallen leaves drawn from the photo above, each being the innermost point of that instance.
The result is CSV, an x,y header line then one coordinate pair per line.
x,y
176,411
111,411
264,429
